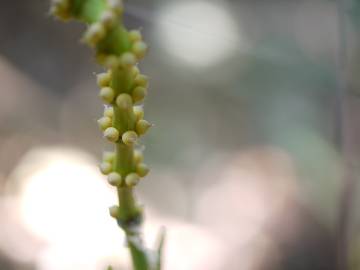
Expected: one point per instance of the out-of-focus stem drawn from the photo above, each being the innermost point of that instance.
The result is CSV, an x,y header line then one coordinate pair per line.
x,y
343,143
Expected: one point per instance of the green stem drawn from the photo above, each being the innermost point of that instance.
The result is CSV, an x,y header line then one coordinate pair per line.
x,y
129,211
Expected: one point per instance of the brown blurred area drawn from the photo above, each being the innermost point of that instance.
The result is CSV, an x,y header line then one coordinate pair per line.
x,y
246,173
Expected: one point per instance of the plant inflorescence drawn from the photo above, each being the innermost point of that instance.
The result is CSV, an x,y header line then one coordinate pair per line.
x,y
123,89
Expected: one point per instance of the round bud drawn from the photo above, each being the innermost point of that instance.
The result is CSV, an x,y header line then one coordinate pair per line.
x,y
106,168
139,112
129,138
112,134
108,18
124,102
103,79
111,61
60,8
104,123
141,80
127,60
109,112
142,126
107,94
114,211
132,179
139,49
109,157
114,179
94,34
142,169
139,94
138,156
135,71
134,36
116,5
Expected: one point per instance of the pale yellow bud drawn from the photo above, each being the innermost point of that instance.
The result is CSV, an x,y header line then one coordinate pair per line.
x,y
139,49
142,169
108,18
112,134
139,94
116,5
114,211
114,179
127,60
60,8
103,79
142,126
129,137
110,61
139,112
104,123
106,168
135,71
109,112
138,156
134,36
141,80
94,34
109,157
107,94
124,101
132,179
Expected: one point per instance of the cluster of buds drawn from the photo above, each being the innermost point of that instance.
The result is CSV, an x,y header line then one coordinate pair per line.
x,y
123,119
129,138
122,89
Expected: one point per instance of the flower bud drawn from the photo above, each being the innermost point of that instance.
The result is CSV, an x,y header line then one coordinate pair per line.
x,y
60,8
134,36
116,5
109,112
138,94
142,169
109,157
108,18
114,179
132,179
127,60
139,49
114,211
138,156
124,102
103,79
94,34
110,61
139,112
107,94
112,134
104,123
135,71
106,168
142,126
129,138
141,80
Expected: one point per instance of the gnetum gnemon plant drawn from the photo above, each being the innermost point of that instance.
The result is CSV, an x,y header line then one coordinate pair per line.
x,y
123,89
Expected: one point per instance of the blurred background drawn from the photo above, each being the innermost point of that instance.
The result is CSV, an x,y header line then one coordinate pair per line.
x,y
254,160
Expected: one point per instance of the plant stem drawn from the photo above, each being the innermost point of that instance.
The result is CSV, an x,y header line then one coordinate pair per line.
x,y
121,87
